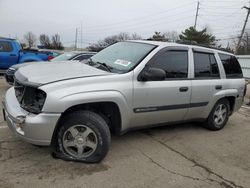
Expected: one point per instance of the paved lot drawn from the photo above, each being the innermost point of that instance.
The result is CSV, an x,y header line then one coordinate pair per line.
x,y
173,156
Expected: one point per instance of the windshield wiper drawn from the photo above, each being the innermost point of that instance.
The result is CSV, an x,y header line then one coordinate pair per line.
x,y
108,68
91,63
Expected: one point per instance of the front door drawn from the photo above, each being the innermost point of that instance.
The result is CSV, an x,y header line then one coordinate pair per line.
x,y
157,102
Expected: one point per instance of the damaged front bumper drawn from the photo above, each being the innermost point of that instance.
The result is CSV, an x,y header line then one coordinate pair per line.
x,y
33,128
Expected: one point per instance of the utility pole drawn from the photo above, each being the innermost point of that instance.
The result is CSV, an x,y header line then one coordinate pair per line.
x,y
76,39
243,29
197,14
81,35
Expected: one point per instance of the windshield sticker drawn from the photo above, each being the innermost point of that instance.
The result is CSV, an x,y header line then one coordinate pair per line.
x,y
122,62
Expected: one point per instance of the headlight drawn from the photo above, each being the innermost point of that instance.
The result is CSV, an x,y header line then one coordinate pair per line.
x,y
12,68
31,99
11,71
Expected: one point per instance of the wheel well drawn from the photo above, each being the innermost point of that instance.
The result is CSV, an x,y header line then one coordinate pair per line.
x,y
108,110
231,101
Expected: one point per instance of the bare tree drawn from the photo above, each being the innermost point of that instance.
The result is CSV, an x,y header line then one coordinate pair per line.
x,y
244,48
112,40
171,36
56,42
45,41
135,36
23,45
30,39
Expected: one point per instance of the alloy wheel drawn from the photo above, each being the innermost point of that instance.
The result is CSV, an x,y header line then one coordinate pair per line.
x,y
80,141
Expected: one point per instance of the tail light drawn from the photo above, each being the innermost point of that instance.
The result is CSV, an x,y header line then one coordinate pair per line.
x,y
50,57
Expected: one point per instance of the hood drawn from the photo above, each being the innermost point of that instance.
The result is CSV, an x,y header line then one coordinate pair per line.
x,y
44,73
17,66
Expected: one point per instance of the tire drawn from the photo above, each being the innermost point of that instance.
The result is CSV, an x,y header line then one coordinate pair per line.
x,y
83,136
219,115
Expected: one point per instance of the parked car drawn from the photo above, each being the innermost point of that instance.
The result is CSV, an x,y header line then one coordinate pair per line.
x,y
248,94
55,53
11,53
74,56
74,107
71,56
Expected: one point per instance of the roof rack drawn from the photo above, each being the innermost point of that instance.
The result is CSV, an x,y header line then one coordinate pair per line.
x,y
202,45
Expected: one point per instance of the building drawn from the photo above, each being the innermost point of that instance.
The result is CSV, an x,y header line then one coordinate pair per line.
x,y
244,61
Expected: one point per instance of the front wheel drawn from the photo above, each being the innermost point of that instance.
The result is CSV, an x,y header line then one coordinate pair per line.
x,y
84,136
219,115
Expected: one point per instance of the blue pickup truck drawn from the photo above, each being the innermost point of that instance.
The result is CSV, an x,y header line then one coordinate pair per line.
x,y
11,53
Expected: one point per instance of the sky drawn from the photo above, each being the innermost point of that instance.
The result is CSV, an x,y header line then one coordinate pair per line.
x,y
96,19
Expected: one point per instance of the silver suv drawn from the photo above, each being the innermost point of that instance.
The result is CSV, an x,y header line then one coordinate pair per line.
x,y
74,107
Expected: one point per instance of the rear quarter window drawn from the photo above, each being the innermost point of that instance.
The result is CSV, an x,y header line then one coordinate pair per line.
x,y
231,66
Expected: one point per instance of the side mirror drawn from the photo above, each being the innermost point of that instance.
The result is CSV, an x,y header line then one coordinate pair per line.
x,y
153,74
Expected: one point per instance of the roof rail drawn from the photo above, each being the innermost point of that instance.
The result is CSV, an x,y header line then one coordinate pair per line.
x,y
7,38
203,45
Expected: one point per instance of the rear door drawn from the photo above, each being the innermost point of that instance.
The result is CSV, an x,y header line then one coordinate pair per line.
x,y
8,57
206,83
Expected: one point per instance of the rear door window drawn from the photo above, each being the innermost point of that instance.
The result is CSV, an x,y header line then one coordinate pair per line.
x,y
5,46
231,66
205,65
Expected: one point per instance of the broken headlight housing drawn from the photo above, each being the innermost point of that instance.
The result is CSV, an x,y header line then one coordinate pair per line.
x,y
30,98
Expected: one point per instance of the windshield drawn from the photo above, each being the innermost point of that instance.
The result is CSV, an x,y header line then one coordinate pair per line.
x,y
64,57
123,56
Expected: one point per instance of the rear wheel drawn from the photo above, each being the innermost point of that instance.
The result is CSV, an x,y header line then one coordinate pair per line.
x,y
84,136
219,115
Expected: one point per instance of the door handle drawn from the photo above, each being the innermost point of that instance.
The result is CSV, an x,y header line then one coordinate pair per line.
x,y
183,89
12,54
218,87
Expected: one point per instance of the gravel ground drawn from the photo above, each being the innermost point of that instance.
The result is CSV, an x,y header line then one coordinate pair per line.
x,y
173,156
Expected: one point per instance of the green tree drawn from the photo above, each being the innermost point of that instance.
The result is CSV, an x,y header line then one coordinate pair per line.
x,y
201,37
158,37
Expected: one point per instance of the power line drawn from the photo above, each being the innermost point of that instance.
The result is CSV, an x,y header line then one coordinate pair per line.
x,y
156,23
146,22
141,18
224,1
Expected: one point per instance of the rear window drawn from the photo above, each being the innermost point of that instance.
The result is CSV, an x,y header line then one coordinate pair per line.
x,y
231,66
5,46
